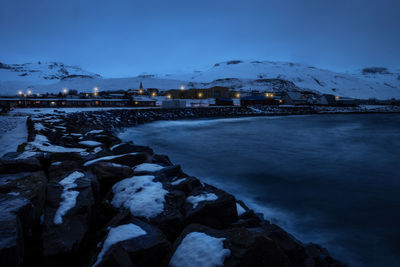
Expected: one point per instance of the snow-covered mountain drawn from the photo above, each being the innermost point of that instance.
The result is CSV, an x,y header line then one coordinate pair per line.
x,y
380,83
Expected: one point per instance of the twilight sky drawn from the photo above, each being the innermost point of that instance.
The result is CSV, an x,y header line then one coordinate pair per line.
x,y
126,38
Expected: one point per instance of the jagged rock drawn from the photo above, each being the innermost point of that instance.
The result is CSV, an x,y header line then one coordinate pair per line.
x,y
124,148
218,213
58,169
11,231
22,198
108,140
163,159
188,185
63,240
247,248
14,162
109,173
148,249
293,248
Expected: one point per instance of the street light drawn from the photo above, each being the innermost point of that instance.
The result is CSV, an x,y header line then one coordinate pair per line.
x,y
237,95
169,96
29,92
182,87
153,94
200,95
20,93
65,91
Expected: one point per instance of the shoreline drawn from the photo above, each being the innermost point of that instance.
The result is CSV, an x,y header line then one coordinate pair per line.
x,y
86,142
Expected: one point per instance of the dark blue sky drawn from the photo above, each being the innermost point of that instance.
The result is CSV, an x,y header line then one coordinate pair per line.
x,y
125,38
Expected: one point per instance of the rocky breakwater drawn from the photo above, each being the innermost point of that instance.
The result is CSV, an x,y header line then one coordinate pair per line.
x,y
75,195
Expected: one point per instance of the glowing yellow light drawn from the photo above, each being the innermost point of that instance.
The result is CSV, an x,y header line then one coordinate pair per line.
x,y
19,92
200,94
168,96
136,102
52,102
337,97
182,87
97,102
153,94
87,94
140,91
280,101
266,94
29,92
272,95
95,94
237,95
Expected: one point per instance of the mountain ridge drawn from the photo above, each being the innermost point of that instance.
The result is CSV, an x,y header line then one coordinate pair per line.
x,y
371,82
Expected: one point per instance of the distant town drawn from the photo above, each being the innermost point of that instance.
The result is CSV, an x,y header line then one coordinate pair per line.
x,y
178,98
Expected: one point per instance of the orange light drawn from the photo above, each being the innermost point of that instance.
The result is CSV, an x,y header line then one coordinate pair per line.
x,y
169,96
200,95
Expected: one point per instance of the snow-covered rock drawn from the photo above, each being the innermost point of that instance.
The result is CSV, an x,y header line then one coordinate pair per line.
x,y
200,250
141,195
118,234
68,196
148,167
90,143
195,200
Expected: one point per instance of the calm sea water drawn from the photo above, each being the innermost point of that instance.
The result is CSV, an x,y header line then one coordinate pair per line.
x,y
330,179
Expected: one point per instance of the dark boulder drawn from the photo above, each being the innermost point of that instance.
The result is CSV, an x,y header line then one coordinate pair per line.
x,y
14,162
246,248
124,148
108,173
148,249
64,240
218,213
22,199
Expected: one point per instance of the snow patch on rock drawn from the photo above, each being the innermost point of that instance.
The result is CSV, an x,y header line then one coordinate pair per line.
x,y
119,234
43,144
141,195
200,250
90,143
148,167
240,209
90,162
195,200
68,196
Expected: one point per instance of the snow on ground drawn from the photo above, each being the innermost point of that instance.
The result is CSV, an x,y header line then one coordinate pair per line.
x,y
119,234
200,250
141,195
148,167
90,143
195,200
68,196
240,209
90,162
34,111
13,132
41,143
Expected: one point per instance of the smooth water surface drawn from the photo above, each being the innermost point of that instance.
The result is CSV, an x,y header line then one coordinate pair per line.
x,y
330,179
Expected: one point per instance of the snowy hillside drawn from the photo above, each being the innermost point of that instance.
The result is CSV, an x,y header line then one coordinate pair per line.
x,y
254,74
377,83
